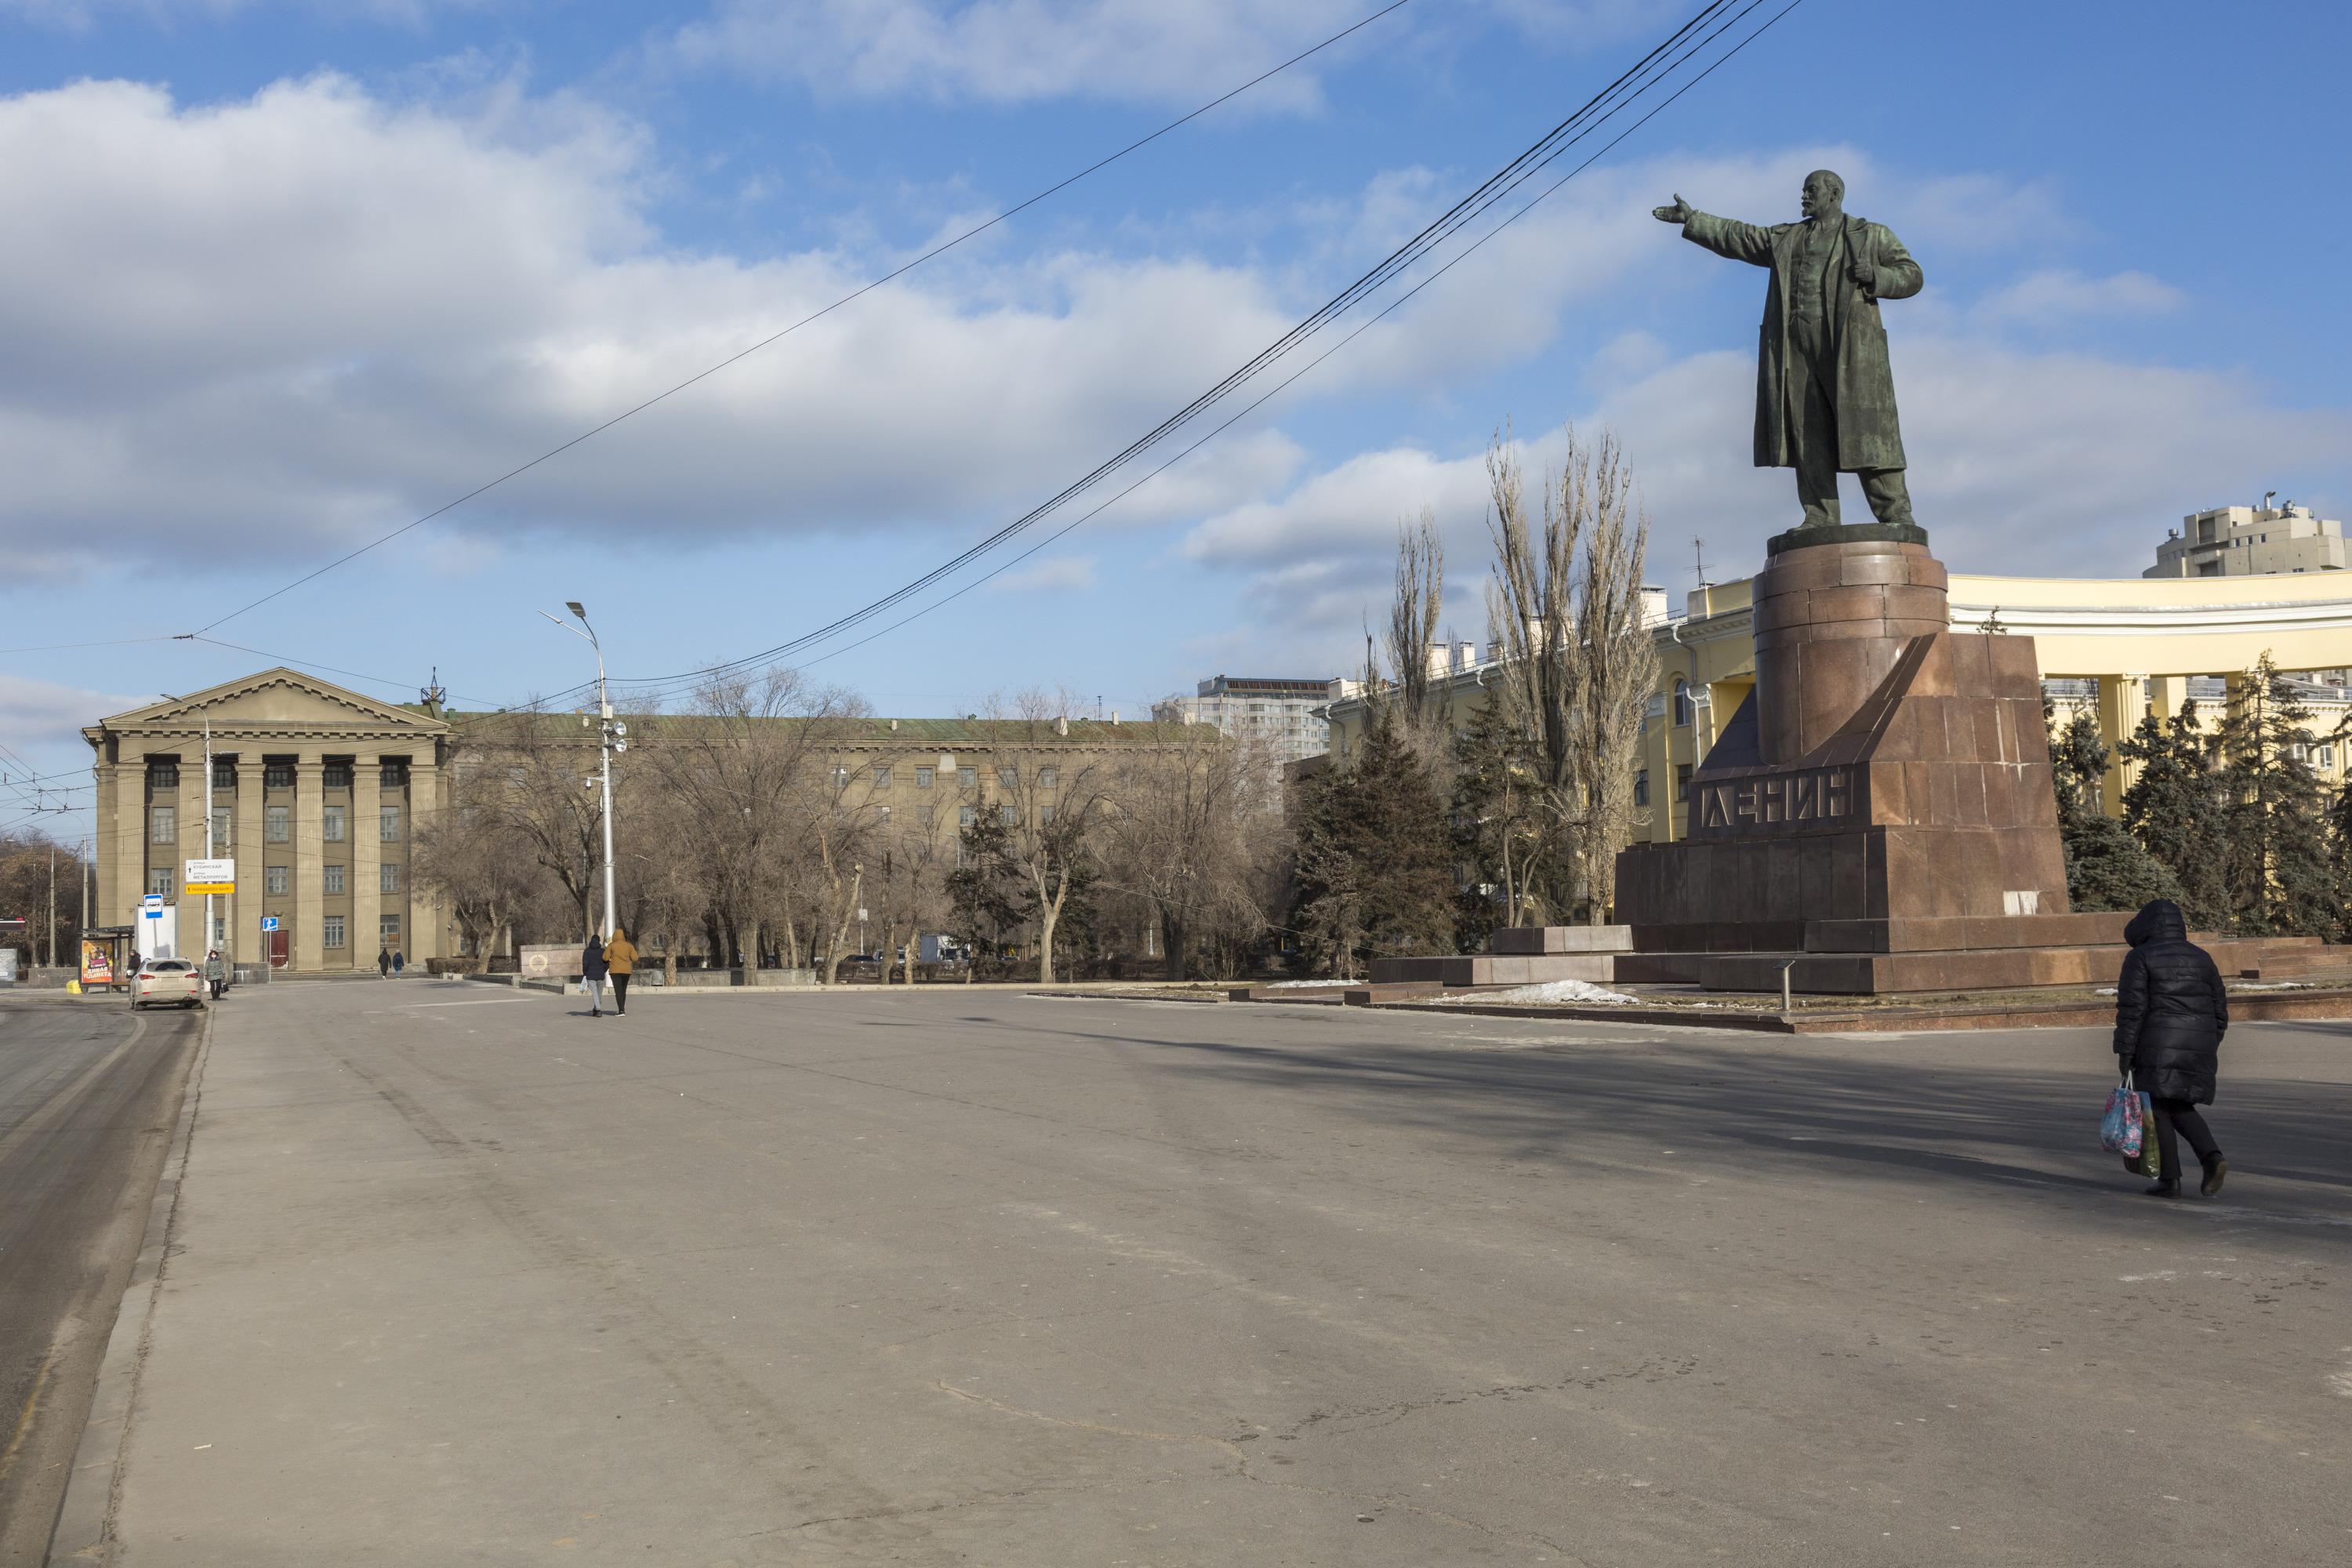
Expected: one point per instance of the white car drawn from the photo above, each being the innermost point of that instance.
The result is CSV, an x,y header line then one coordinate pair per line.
x,y
175,980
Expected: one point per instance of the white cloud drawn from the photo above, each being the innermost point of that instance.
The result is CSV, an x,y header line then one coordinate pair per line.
x,y
2057,296
1054,574
312,317
46,715
2024,463
1017,52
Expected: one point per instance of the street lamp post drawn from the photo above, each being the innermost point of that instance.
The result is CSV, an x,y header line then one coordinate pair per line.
x,y
608,741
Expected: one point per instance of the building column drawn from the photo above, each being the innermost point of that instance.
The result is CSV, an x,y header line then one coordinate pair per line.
x,y
426,938
308,956
245,936
195,940
119,906
2122,703
2166,693
367,856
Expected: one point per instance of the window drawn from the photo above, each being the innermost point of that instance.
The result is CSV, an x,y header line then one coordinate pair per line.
x,y
1642,787
964,817
2327,756
163,825
277,775
927,815
886,816
1682,781
1008,778
923,777
393,773
966,778
387,824
840,777
277,824
336,775
882,778
159,880
224,774
273,880
1044,816
516,777
331,881
330,931
1682,703
387,931
220,827
387,877
1049,778
331,824
163,776
1007,815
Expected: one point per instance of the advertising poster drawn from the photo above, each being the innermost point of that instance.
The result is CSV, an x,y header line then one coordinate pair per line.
x,y
96,963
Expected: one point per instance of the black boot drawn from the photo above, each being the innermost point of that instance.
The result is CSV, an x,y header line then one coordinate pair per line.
x,y
2169,1188
2216,1171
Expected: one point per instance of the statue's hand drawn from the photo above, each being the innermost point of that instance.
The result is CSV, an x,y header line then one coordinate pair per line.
x,y
1680,212
1863,277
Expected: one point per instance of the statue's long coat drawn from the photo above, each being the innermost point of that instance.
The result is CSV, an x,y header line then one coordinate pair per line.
x,y
1868,434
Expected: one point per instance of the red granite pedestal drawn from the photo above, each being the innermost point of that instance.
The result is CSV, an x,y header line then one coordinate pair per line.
x,y
1878,811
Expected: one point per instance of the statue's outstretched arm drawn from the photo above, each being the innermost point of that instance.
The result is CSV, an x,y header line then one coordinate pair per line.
x,y
1729,237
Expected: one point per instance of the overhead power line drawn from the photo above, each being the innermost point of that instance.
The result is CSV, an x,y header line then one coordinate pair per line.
x,y
896,272
1685,44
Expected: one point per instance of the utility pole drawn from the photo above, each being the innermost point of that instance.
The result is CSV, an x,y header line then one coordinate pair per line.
x,y
83,851
53,904
612,736
209,927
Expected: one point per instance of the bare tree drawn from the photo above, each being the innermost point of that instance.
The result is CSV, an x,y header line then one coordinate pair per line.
x,y
532,766
1196,837
1579,667
478,857
1052,800
1411,633
747,771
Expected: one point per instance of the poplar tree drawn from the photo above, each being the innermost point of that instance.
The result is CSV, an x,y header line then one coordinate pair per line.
x,y
2106,867
2174,810
1497,832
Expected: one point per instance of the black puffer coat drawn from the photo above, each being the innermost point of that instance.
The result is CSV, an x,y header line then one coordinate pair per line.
x,y
2170,1009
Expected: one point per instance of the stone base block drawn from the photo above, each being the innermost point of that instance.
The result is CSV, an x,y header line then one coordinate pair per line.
x,y
1497,969
1529,940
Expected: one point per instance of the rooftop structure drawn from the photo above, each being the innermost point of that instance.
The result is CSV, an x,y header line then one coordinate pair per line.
x,y
2251,541
1283,713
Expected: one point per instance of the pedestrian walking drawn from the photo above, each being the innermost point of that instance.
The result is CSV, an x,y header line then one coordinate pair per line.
x,y
620,960
215,974
2170,1014
593,970
399,960
383,965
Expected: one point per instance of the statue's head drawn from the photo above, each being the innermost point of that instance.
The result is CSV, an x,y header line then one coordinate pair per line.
x,y
1824,192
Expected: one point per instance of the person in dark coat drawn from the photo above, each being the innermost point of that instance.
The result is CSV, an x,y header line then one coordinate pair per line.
x,y
592,969
2170,1014
384,964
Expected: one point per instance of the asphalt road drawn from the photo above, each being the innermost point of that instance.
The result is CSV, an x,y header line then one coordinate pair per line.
x,y
460,1275
88,1097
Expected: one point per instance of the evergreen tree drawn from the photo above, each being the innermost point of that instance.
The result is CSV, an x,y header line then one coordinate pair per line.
x,y
2276,868
2106,867
1497,833
1375,872
984,890
2174,808
2339,859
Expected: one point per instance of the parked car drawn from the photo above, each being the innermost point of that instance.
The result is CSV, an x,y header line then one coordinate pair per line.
x,y
175,980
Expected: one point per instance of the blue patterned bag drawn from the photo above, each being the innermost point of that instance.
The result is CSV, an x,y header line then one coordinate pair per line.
x,y
2122,1128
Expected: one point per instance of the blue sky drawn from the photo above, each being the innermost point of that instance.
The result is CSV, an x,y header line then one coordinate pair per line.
x,y
282,277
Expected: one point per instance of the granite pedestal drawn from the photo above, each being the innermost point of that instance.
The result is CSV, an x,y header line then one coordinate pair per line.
x,y
1879,809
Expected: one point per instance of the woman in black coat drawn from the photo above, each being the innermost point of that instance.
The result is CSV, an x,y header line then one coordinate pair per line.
x,y
592,969
2170,1014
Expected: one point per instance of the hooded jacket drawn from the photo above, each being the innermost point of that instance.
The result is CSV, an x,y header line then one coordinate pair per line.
x,y
620,953
2170,1009
591,960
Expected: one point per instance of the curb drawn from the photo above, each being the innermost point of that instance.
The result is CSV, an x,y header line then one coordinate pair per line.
x,y
84,1533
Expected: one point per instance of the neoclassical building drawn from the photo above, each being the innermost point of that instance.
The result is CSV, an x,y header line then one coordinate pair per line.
x,y
315,794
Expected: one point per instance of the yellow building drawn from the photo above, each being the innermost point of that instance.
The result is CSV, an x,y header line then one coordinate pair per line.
x,y
2116,646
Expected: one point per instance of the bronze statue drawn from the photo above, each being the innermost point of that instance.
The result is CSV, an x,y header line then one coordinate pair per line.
x,y
1824,390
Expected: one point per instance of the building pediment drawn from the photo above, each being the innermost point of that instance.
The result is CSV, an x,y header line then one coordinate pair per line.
x,y
281,702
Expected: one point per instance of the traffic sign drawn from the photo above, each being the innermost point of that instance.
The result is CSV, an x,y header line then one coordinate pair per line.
x,y
270,922
209,877
151,906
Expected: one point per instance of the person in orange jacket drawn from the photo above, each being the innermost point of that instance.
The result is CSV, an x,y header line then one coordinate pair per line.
x,y
621,959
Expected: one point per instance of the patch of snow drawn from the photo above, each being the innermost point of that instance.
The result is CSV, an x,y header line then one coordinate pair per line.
x,y
1553,990
1305,985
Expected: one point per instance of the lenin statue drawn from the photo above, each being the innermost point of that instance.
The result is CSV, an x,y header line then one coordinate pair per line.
x,y
1824,391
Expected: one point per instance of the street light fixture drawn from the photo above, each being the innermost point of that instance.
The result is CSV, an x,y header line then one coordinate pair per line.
x,y
606,741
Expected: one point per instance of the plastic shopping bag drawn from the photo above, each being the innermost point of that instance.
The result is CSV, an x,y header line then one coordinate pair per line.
x,y
2122,1130
2151,1151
